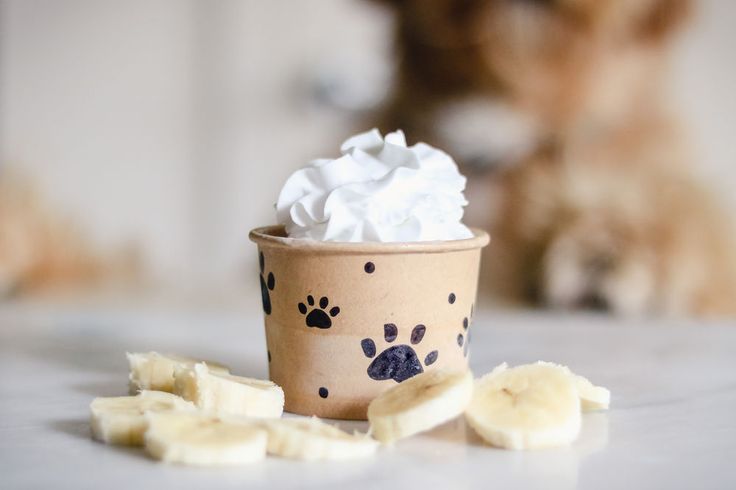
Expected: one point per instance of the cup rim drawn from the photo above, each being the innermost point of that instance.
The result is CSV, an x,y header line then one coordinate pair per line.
x,y
274,236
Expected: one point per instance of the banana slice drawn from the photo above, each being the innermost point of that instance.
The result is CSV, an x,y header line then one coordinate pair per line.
x,y
120,420
201,440
154,371
592,397
310,439
419,404
526,407
223,393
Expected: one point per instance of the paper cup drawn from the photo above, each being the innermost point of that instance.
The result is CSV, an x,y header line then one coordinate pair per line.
x,y
346,321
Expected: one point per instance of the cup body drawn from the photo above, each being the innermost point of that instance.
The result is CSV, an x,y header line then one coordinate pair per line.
x,y
346,321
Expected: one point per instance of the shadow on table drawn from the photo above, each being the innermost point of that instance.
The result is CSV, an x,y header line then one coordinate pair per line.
x,y
112,386
549,467
79,429
456,431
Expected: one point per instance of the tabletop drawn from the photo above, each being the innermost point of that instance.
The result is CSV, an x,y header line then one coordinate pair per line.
x,y
672,423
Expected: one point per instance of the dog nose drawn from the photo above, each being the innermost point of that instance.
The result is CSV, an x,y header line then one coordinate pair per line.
x,y
593,300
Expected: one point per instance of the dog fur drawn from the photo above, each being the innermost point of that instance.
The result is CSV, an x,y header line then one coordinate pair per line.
x,y
41,251
558,109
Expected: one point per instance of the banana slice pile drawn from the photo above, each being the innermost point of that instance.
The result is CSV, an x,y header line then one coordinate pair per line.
x,y
153,371
214,391
121,419
197,413
527,407
191,412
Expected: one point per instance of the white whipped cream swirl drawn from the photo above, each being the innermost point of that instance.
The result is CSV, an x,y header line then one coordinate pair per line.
x,y
379,190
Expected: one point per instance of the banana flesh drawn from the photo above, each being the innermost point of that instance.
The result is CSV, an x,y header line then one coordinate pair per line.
x,y
197,439
419,404
526,407
154,371
120,420
592,397
223,393
202,415
310,439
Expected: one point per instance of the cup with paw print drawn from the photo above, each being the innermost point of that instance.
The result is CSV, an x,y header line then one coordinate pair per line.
x,y
346,321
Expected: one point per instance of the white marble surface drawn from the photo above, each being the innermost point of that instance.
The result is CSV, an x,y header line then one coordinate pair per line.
x,y
672,424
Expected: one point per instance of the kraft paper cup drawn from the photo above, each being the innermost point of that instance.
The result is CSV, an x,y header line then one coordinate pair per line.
x,y
346,321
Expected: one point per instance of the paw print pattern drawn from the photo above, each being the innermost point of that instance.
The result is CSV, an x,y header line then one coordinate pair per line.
x,y
463,340
318,317
398,362
267,285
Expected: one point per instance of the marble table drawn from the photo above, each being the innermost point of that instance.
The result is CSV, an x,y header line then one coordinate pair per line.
x,y
672,423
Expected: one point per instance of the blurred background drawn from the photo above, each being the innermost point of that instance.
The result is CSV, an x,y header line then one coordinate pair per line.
x,y
161,131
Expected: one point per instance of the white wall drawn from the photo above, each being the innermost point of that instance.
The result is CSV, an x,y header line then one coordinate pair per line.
x,y
704,82
96,104
256,121
174,123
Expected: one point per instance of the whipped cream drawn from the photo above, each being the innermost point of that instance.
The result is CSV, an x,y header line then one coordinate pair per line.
x,y
379,190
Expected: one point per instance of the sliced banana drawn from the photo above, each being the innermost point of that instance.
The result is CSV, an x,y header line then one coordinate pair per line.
x,y
310,439
526,407
120,420
201,440
592,397
419,404
154,371
223,393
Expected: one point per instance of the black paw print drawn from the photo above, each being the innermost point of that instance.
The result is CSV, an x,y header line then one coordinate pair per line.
x,y
266,285
318,317
398,362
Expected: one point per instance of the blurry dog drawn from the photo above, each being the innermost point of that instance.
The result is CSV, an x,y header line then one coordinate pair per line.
x,y
41,251
557,107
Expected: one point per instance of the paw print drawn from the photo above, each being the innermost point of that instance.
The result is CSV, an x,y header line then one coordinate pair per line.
x,y
267,285
398,362
318,317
